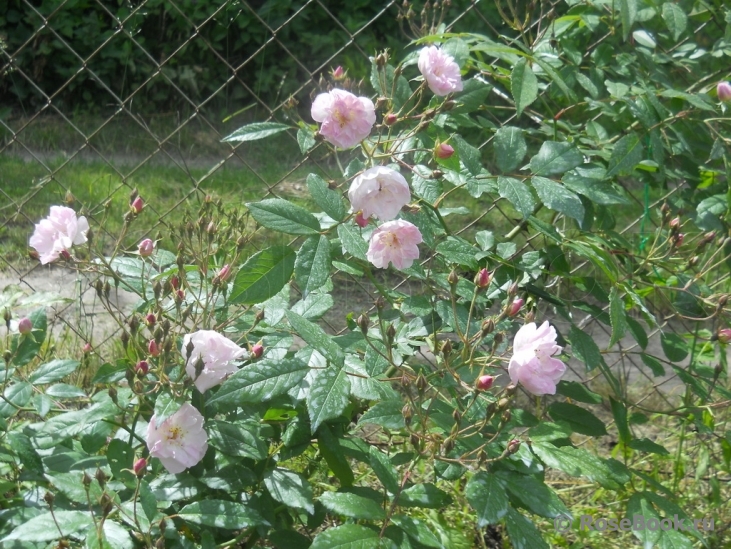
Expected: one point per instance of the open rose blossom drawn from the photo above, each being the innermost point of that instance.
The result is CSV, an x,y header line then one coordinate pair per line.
x,y
532,363
379,191
394,242
218,354
179,441
346,119
440,71
58,232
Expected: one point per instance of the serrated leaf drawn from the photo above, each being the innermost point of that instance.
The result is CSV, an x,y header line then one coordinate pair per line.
x,y
523,85
522,532
283,216
312,266
221,514
352,241
45,527
555,157
558,198
674,18
469,156
387,413
426,496
331,449
330,201
585,349
577,462
305,139
263,275
257,130
674,346
53,371
239,439
654,364
329,395
627,14
627,153
646,445
487,497
317,338
353,505
290,488
347,536
595,190
261,381
578,391
509,147
518,194
313,306
383,468
617,316
533,494
64,390
619,412
581,420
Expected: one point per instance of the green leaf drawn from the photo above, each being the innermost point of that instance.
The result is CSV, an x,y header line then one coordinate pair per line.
x,y
313,306
352,241
317,338
263,275
523,85
353,505
487,497
617,316
585,349
555,157
17,394
637,331
329,395
627,153
654,364
533,494
290,488
417,530
459,251
619,411
578,391
581,420
312,267
305,139
522,532
23,448
283,216
110,372
329,446
221,514
468,155
425,495
674,18
518,194
627,14
53,371
165,406
120,456
646,445
387,413
710,211
64,390
558,198
257,130
383,468
239,439
674,346
29,346
45,527
327,199
261,381
347,536
596,190
509,147
577,462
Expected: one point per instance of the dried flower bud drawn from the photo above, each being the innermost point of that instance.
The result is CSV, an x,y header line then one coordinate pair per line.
x,y
485,382
488,326
678,240
436,174
515,307
125,339
415,441
707,238
506,416
86,479
390,333
381,59
25,326
453,277
141,368
380,303
363,323
443,151
449,104
722,301
407,413
421,383
134,324
447,348
503,403
48,498
448,445
137,205
199,366
146,247
723,89
175,282
390,119
497,338
513,446
153,348
360,220
483,278
511,389
456,416
139,467
101,478
112,392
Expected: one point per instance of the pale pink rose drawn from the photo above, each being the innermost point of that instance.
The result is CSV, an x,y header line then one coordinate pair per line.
x,y
532,363
179,441
346,119
394,242
218,354
379,191
58,232
724,91
440,71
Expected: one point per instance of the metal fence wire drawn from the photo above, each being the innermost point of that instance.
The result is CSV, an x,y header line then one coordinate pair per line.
x,y
170,108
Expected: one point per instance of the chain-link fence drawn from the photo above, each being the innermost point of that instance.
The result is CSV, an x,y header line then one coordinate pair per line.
x,y
191,72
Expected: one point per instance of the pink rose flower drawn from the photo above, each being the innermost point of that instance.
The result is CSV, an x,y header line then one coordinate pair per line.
x,y
394,242
346,119
724,91
379,191
532,363
218,354
56,233
25,325
440,71
146,247
179,441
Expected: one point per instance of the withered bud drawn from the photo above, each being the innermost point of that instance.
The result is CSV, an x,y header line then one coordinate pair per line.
x,y
113,394
137,387
158,334
86,479
380,303
722,301
693,261
421,383
717,369
490,410
453,277
447,348
457,415
166,326
498,338
363,323
447,445
168,346
106,503
407,413
162,526
503,403
48,498
436,174
259,316
415,441
134,323
390,333
211,229
99,287
160,543
101,478
488,326
381,59
125,339
511,389
199,366
189,350
107,289
506,416
69,198
449,105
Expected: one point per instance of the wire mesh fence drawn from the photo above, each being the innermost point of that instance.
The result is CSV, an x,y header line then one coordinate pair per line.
x,y
193,72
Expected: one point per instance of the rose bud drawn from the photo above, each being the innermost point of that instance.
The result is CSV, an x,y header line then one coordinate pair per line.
x,y
724,335
513,446
224,273
140,466
146,247
515,306
153,349
390,119
338,73
675,223
137,205
87,348
360,220
443,151
482,278
485,382
678,240
25,325
724,91
257,350
151,319
175,282
142,367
